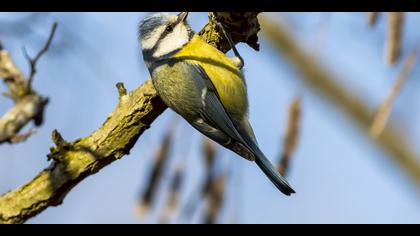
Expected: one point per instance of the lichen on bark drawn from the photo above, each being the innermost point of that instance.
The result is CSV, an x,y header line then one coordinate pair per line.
x,y
74,161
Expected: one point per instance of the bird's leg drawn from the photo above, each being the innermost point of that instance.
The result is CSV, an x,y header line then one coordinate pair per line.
x,y
237,59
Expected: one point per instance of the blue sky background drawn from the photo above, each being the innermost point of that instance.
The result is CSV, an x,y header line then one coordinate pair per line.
x,y
339,175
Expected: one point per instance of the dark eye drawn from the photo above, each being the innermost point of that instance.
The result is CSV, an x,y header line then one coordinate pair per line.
x,y
169,28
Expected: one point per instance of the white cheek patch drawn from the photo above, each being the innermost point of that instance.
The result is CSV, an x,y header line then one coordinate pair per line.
x,y
150,42
172,41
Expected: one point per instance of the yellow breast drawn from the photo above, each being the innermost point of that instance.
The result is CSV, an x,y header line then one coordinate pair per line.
x,y
226,77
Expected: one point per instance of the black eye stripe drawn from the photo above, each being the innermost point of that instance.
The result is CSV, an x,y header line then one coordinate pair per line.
x,y
163,35
169,28
166,31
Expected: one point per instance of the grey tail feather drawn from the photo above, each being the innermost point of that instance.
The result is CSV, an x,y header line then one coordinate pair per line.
x,y
263,163
271,172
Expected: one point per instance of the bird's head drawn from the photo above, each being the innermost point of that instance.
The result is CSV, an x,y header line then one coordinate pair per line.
x,y
163,34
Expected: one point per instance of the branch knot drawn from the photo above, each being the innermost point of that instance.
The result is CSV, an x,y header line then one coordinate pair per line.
x,y
61,147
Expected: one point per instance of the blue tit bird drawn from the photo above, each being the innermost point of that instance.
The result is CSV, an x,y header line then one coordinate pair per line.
x,y
203,85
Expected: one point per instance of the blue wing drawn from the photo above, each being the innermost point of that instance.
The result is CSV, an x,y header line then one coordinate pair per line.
x,y
216,123
213,110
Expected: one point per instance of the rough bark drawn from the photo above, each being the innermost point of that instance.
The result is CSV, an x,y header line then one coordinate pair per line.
x,y
74,161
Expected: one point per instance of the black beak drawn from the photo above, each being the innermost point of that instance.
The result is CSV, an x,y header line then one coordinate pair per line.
x,y
182,16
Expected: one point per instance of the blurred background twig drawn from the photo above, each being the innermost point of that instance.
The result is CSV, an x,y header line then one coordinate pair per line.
x,y
381,117
29,105
372,18
215,197
174,194
291,136
156,172
324,83
394,36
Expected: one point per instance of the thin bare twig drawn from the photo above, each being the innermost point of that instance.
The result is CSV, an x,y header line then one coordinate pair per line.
x,y
29,104
215,197
161,156
381,117
372,18
174,194
34,61
22,137
394,36
291,135
327,86
209,153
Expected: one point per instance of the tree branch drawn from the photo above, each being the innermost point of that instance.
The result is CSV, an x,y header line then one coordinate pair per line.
x,y
29,104
243,27
74,161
